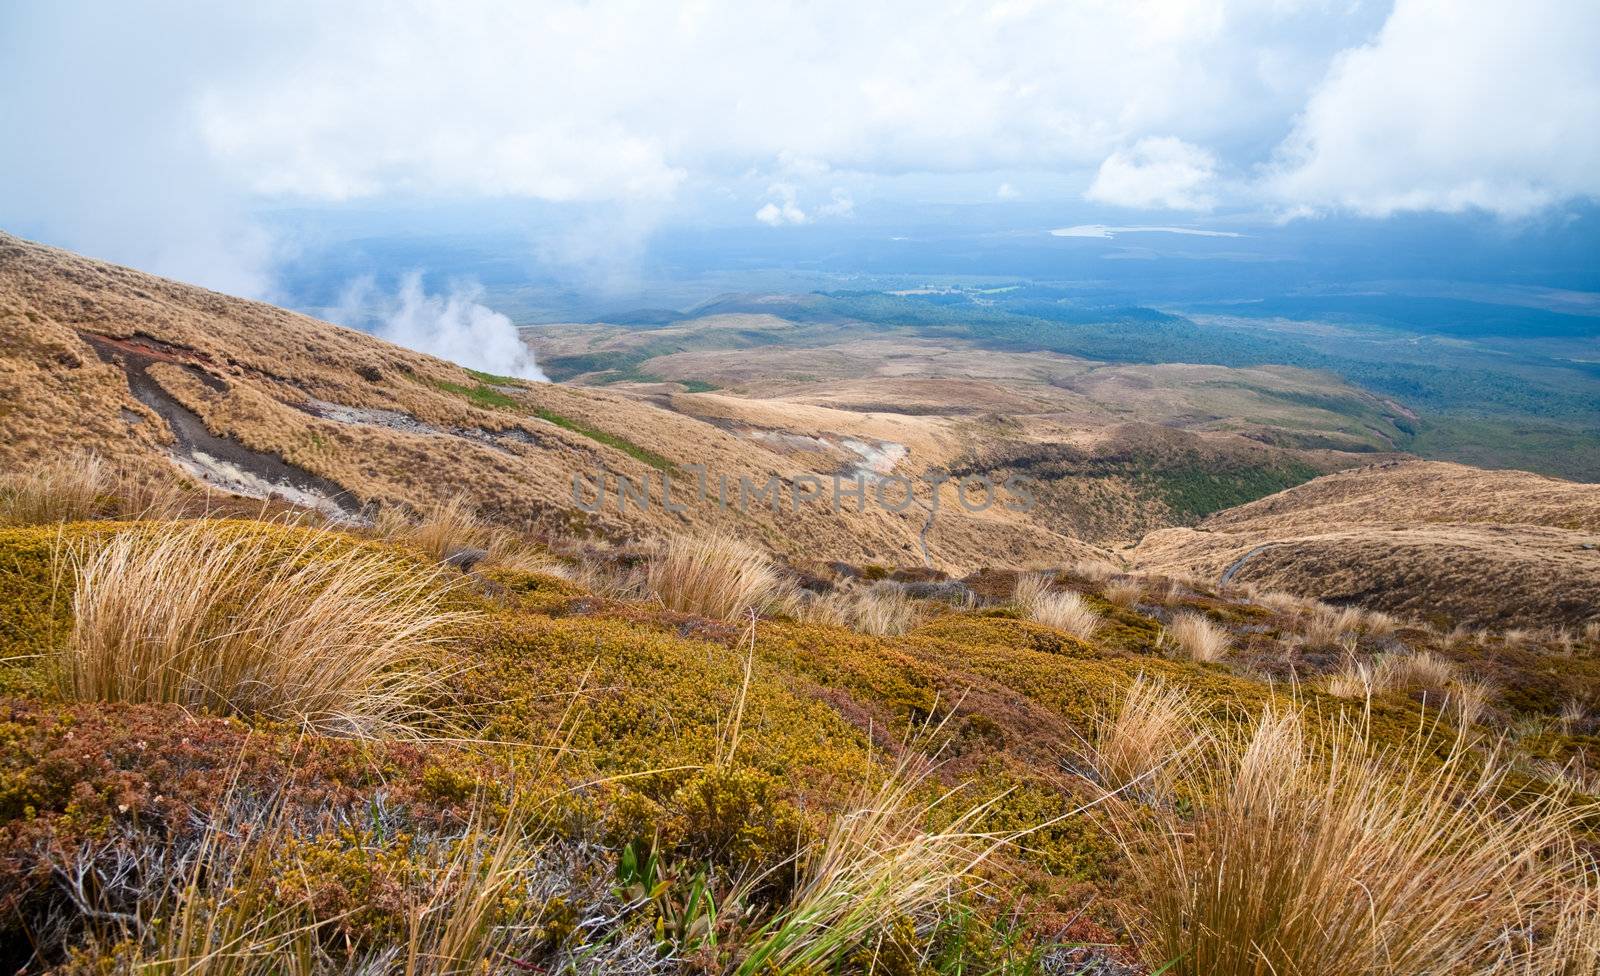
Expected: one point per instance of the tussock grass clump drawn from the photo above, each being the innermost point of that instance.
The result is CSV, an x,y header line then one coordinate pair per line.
x,y
1469,700
1198,638
1355,679
1331,625
67,489
1573,946
1281,601
1377,624
1137,744
291,626
713,576
874,866
445,528
882,610
1030,588
1068,612
1336,856
1124,593
1095,569
1423,670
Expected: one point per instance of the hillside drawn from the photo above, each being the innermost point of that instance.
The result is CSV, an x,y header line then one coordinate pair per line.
x,y
174,382
258,400
309,664
1431,540
533,776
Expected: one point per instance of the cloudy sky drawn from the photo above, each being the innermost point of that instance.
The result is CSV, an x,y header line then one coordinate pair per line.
x,y
158,134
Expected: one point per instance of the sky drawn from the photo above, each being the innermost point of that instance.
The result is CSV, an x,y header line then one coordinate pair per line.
x,y
174,137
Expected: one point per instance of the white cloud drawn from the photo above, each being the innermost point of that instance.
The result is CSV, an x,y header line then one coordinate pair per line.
x,y
840,204
152,134
783,209
454,326
1455,105
1005,191
1157,172
1103,231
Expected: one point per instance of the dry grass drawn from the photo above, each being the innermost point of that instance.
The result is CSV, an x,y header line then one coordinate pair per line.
x,y
1423,670
1572,712
67,489
1068,612
884,610
1030,588
252,623
1095,569
1377,624
875,866
713,576
1125,593
1573,947
1355,679
445,528
1330,625
1343,858
1137,746
160,499
1469,701
1198,638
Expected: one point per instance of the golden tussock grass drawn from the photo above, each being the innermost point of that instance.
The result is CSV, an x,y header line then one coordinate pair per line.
x,y
1197,637
1068,612
1284,602
714,576
1469,700
1377,624
1342,857
1124,593
1572,712
1423,670
874,866
254,623
68,489
883,610
1516,636
1330,625
1354,679
1573,946
1030,588
445,528
1095,569
1138,745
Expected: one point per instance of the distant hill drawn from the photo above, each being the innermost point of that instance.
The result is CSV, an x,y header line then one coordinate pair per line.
x,y
1427,539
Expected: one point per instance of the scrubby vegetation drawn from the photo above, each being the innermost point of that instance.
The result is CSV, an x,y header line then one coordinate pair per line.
x,y
239,744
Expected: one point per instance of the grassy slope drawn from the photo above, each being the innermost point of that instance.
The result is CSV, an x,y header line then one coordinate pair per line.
x,y
639,692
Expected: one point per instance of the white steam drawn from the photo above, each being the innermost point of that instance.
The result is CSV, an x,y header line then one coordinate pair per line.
x,y
454,327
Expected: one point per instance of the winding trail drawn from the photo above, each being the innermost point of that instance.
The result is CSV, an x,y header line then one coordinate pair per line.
x,y
1238,564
